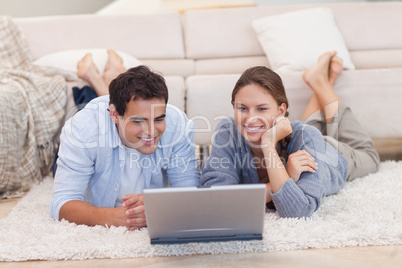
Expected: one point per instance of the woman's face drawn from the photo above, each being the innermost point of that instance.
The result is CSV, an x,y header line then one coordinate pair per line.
x,y
254,111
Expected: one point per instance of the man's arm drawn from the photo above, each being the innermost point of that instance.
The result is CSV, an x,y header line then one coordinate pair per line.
x,y
130,214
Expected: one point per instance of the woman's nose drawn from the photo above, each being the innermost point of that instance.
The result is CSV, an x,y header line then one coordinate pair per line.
x,y
251,117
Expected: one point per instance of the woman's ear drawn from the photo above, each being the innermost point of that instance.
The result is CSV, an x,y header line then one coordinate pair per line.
x,y
282,109
114,114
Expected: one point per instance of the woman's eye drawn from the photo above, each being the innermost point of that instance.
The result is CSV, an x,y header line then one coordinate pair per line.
x,y
262,109
242,108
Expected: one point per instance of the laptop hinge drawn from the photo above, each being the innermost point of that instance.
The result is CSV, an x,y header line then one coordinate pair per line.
x,y
179,240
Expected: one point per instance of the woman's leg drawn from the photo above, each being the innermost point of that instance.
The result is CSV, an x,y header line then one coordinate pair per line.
x,y
87,71
321,79
338,122
113,67
353,142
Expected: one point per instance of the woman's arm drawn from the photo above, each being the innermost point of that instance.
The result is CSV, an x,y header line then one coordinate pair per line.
x,y
293,199
277,172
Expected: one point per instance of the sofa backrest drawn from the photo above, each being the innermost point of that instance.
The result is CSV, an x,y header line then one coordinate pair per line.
x,y
155,39
215,37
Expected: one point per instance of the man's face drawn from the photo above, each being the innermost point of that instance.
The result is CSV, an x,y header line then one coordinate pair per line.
x,y
142,125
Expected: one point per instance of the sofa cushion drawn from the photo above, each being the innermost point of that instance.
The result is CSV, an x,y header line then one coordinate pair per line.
x,y
364,27
293,41
148,36
208,101
182,67
235,65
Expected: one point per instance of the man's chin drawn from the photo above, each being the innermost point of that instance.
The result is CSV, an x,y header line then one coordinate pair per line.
x,y
142,148
147,149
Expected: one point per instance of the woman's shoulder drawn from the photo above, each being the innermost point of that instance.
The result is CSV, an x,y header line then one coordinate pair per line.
x,y
303,134
226,133
226,122
299,128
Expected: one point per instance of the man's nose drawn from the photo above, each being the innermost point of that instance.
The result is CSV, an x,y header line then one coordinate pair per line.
x,y
149,129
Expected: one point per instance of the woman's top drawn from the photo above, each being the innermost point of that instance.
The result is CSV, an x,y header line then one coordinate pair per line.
x,y
232,162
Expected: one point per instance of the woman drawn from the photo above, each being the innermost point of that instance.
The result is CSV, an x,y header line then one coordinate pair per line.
x,y
299,162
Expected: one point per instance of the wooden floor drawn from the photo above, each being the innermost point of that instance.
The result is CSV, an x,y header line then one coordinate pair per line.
x,y
382,256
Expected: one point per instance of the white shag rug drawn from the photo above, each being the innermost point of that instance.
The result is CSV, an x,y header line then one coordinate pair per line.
x,y
368,211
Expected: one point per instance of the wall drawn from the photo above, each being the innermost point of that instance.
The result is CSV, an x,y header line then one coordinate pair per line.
x,y
32,8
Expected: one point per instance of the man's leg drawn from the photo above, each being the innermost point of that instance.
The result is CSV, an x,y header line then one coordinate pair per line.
x,y
114,67
87,71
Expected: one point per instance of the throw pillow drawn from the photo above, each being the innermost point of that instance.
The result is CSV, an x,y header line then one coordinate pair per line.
x,y
65,62
293,41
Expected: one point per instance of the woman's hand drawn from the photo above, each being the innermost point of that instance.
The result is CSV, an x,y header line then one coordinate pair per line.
x,y
135,211
280,129
299,162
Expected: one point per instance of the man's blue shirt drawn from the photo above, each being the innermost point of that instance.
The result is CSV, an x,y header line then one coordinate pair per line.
x,y
92,158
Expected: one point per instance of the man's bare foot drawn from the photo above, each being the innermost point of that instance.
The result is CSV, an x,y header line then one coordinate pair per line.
x,y
114,67
86,68
319,73
335,69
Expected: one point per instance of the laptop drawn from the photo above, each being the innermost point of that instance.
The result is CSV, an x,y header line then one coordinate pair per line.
x,y
205,214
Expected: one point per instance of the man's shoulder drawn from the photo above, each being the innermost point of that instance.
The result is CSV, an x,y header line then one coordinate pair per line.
x,y
175,118
93,120
174,113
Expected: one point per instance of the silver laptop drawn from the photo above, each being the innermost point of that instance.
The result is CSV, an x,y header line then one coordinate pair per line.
x,y
205,214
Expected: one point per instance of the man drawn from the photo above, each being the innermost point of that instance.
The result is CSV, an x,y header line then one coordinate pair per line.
x,y
119,145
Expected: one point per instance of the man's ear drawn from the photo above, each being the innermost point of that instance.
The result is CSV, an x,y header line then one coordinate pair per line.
x,y
114,114
282,109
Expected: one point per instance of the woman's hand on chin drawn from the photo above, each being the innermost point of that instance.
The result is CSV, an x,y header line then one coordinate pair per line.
x,y
280,129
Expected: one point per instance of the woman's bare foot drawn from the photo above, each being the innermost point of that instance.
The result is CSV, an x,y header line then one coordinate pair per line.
x,y
319,73
114,67
86,70
335,69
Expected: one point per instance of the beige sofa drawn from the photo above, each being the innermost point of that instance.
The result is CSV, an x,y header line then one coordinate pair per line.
x,y
202,53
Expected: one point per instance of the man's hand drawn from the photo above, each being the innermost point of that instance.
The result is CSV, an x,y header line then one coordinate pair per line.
x,y
134,211
299,162
281,128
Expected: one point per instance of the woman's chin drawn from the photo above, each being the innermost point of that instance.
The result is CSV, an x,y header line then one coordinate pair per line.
x,y
254,139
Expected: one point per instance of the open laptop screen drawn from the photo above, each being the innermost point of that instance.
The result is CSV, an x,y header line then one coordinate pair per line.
x,y
203,214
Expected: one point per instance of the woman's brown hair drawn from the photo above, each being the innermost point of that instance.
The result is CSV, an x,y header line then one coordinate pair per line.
x,y
265,78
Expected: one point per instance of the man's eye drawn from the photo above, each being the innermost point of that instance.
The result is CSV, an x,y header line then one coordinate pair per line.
x,y
137,122
159,120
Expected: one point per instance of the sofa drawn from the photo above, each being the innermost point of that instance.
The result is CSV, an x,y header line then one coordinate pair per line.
x,y
201,53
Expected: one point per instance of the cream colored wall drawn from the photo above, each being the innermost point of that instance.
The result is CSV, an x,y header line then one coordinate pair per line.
x,y
32,8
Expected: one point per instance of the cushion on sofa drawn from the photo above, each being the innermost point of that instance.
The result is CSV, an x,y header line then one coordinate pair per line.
x,y
293,41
